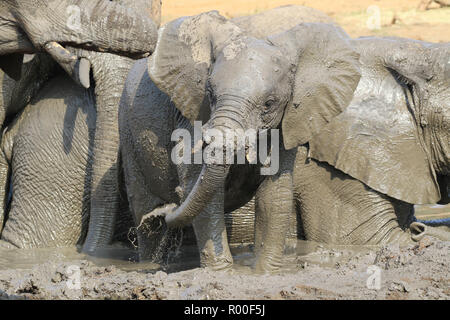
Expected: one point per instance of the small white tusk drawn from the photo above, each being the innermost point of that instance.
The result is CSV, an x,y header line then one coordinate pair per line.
x,y
84,72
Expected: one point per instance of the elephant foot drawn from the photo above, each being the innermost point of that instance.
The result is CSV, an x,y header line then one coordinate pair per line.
x,y
269,265
221,267
216,263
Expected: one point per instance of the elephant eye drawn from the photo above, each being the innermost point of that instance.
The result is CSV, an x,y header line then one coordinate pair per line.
x,y
269,104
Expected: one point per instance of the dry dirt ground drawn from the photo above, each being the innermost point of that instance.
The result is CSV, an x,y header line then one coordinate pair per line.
x,y
400,18
419,271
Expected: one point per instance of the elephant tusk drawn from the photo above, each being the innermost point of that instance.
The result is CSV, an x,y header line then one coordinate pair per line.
x,y
197,147
59,53
28,58
84,72
251,156
78,69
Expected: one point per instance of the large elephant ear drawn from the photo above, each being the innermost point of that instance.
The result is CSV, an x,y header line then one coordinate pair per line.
x,y
326,76
183,56
11,64
376,139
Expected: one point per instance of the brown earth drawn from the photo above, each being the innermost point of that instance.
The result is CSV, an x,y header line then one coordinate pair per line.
x,y
397,18
419,271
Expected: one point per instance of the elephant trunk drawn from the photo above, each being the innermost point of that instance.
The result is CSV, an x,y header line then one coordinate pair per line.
x,y
211,177
110,73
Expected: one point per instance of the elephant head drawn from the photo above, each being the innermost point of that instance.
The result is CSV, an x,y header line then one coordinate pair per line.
x,y
299,79
395,134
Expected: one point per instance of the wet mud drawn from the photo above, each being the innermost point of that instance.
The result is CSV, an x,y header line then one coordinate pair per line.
x,y
312,271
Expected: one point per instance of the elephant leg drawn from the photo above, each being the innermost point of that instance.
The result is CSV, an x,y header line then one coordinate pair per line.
x,y
211,234
4,178
338,209
5,172
209,225
274,207
150,235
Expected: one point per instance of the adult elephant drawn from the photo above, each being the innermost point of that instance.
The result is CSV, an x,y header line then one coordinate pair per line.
x,y
214,71
357,180
34,193
394,136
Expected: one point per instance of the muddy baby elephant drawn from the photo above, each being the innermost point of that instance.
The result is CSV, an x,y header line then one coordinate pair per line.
x,y
214,72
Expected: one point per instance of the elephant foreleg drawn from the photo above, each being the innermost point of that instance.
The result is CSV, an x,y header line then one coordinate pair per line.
x,y
209,225
211,234
4,186
274,207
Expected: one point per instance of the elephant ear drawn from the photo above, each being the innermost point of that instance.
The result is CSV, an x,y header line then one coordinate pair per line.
x,y
327,74
376,139
183,56
11,64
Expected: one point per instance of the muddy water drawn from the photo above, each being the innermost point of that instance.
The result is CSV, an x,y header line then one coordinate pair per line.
x,y
297,254
122,258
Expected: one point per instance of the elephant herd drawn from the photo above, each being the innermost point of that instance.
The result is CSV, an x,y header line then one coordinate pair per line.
x,y
86,146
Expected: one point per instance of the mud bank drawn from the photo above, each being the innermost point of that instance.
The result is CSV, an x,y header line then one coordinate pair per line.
x,y
415,272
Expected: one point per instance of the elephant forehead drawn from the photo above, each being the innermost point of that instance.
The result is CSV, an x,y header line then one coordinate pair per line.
x,y
250,67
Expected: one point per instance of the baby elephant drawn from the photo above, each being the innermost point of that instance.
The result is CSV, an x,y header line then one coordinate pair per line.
x,y
214,72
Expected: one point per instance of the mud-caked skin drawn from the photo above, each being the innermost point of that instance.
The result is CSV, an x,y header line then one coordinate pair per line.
x,y
301,86
47,142
395,128
248,83
37,198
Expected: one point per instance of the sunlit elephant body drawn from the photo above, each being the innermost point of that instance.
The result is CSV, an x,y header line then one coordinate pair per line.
x,y
47,148
38,196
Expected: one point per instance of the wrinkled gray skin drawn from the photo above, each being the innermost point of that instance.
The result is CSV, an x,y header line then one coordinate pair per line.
x,y
105,198
208,59
393,138
49,141
64,150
